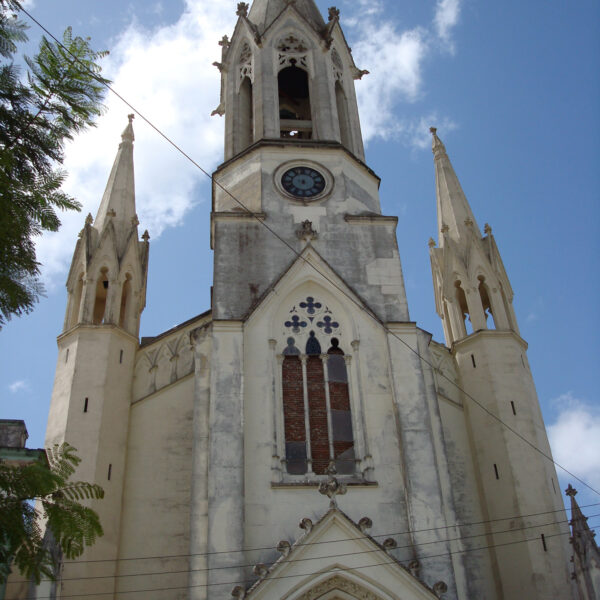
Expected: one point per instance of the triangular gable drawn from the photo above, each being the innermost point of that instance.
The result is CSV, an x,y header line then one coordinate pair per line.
x,y
310,265
336,559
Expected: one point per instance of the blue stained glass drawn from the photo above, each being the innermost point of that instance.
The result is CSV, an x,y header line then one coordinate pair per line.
x,y
310,305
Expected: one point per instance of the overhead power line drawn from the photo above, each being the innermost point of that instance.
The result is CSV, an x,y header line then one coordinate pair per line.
x,y
343,555
296,576
360,305
379,535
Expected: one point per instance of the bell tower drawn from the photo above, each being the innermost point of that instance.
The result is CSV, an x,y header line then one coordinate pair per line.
x,y
474,298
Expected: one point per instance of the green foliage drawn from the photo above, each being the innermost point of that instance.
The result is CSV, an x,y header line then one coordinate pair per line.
x,y
59,95
38,495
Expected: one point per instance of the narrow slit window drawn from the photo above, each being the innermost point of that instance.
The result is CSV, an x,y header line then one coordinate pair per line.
x,y
109,471
85,405
544,543
553,485
496,471
121,357
473,361
67,355
512,404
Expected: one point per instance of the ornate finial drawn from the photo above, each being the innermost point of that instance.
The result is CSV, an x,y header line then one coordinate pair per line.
x,y
445,228
306,524
431,243
238,592
89,219
80,234
332,488
135,221
571,491
334,13
284,547
440,588
390,544
127,135
306,232
242,9
219,66
433,130
487,229
469,222
111,213
261,570
414,566
225,43
146,236
364,524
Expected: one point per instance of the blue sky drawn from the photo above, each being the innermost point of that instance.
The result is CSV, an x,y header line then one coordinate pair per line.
x,y
514,88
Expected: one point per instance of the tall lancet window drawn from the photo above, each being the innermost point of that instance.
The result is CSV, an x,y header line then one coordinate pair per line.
x,y
317,414
245,99
342,108
76,303
246,114
295,117
101,296
125,301
486,303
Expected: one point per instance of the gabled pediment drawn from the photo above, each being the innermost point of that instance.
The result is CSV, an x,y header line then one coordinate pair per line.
x,y
309,266
336,559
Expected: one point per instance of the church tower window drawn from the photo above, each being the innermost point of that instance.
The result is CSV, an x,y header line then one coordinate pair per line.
x,y
463,307
125,299
76,303
342,108
101,295
246,113
486,303
294,103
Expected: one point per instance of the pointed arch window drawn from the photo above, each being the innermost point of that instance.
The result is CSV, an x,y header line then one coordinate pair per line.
x,y
484,294
342,109
463,307
76,302
318,423
246,113
101,297
295,117
125,301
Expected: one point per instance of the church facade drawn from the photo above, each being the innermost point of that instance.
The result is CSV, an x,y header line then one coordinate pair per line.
x,y
306,394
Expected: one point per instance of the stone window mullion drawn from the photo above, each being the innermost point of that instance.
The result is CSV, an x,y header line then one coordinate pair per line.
x,y
309,462
325,359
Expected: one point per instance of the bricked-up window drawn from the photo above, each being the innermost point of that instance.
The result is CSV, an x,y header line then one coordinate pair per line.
x,y
341,417
293,411
316,406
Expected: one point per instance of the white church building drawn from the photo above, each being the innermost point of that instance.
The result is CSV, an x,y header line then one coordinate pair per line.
x,y
304,439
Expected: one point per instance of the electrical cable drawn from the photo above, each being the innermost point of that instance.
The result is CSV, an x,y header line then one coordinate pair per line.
x,y
275,577
379,535
345,555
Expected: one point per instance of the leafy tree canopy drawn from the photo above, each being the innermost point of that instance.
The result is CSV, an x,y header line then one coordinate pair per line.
x,y
56,95
38,493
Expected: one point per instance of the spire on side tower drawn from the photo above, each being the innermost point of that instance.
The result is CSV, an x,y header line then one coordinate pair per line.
x,y
107,280
586,555
118,201
455,217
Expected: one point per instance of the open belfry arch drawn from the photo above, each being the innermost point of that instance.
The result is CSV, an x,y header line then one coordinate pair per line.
x,y
211,439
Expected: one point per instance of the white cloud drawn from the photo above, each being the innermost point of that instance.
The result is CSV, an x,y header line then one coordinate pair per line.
x,y
396,59
18,386
575,438
178,101
446,17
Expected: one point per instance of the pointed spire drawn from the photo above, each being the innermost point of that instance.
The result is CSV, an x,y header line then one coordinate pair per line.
x,y
264,12
586,555
455,217
118,202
